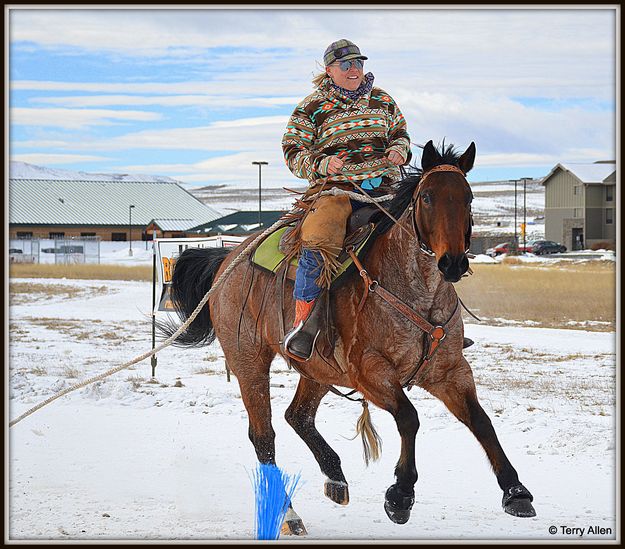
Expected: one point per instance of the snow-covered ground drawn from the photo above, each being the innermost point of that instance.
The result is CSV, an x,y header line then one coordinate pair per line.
x,y
168,458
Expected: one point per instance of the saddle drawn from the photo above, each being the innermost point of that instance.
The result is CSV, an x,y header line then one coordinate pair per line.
x,y
273,251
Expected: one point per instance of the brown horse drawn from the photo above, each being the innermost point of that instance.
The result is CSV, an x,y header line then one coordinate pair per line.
x,y
407,331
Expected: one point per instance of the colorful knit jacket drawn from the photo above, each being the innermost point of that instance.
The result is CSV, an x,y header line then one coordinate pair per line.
x,y
327,123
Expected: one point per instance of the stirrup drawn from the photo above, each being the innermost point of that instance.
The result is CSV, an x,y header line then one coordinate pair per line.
x,y
299,342
304,352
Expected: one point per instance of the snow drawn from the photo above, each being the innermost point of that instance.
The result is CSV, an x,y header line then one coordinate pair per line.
x,y
24,170
133,457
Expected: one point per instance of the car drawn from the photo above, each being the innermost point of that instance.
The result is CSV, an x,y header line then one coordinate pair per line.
x,y
540,247
504,248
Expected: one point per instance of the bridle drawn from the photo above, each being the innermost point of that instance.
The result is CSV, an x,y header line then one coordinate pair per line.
x,y
413,207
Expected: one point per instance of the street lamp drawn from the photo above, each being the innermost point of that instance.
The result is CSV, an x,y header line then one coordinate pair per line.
x,y
260,164
130,228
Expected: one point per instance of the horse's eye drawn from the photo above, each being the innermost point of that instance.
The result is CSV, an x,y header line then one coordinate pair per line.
x,y
426,198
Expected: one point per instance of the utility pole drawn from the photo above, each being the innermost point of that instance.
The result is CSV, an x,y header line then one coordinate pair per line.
x,y
260,164
516,241
524,211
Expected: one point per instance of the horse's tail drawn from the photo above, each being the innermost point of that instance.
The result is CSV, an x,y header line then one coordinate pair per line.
x,y
193,276
371,441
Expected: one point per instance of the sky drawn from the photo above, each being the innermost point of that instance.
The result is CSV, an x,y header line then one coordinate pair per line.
x,y
198,94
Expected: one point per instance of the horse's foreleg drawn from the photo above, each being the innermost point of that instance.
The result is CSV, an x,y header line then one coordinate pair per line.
x,y
378,383
301,416
458,393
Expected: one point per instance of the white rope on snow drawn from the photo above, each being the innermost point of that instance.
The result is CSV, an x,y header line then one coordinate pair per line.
x,y
174,336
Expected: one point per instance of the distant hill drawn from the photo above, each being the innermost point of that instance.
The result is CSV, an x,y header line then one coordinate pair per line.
x,y
24,170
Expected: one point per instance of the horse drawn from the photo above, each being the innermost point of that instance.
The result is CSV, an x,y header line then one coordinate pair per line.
x,y
403,327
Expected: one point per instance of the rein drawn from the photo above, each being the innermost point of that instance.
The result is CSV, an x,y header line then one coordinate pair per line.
x,y
436,333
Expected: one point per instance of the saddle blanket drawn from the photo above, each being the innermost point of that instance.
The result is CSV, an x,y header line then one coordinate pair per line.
x,y
269,257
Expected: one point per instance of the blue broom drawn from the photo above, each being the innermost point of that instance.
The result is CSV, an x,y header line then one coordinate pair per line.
x,y
274,490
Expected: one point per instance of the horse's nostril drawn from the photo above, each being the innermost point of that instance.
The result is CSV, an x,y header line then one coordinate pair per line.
x,y
444,262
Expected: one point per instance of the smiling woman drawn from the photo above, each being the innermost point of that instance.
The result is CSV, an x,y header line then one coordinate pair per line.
x,y
346,134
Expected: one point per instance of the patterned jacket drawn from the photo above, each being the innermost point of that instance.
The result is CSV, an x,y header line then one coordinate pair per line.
x,y
326,123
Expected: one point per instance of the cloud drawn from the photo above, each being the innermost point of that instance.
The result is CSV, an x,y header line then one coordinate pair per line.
x,y
76,118
227,168
454,73
213,101
51,158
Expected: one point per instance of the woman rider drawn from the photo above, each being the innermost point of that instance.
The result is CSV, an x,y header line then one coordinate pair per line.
x,y
346,133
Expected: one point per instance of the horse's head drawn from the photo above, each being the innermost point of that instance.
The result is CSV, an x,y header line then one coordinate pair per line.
x,y
442,210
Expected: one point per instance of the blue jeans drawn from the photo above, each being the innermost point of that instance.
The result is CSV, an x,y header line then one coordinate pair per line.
x,y
308,268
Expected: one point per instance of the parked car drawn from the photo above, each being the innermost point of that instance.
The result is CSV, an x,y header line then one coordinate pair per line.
x,y
504,248
540,247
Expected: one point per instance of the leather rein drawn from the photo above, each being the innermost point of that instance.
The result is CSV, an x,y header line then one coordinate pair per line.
x,y
436,333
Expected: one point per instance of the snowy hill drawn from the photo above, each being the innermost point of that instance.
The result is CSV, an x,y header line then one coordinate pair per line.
x,y
23,170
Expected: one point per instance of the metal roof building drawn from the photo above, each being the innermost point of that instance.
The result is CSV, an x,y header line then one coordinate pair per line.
x,y
42,207
238,223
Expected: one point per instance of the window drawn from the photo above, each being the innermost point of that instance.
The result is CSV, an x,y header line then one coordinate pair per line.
x,y
54,236
118,237
609,193
87,234
577,189
578,212
24,236
609,216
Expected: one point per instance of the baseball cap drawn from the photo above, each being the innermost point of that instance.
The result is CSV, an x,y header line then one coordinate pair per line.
x,y
341,50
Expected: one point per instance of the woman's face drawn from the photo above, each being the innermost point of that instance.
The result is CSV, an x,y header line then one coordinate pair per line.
x,y
349,79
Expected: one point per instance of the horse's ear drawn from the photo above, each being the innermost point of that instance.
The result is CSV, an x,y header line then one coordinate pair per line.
x,y
430,156
465,162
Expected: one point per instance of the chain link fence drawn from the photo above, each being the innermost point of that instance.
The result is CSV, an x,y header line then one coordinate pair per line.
x,y
60,250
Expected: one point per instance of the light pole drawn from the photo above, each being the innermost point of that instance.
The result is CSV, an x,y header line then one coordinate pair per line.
x,y
130,228
260,164
524,211
516,242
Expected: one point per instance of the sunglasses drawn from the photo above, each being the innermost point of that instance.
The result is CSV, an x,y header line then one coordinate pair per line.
x,y
346,65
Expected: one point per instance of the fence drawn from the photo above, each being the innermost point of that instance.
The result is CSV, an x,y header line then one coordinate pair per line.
x,y
60,251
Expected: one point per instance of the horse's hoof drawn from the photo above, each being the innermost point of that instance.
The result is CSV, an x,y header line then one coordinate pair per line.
x,y
293,525
337,491
293,528
517,501
398,504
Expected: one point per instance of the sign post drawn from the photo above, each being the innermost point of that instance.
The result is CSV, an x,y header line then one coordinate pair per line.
x,y
165,253
153,360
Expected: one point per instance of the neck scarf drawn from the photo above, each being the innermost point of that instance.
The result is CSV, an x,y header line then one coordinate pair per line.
x,y
363,89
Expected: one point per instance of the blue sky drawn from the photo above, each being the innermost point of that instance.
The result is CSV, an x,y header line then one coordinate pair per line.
x,y
198,94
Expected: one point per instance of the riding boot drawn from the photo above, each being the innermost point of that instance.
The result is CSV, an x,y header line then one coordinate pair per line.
x,y
466,342
299,342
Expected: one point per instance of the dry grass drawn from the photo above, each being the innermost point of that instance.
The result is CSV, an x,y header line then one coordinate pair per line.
x,y
27,292
562,295
85,272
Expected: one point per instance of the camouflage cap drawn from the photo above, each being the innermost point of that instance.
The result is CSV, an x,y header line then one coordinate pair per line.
x,y
341,50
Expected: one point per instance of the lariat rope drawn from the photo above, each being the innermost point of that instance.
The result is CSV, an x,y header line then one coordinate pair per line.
x,y
245,252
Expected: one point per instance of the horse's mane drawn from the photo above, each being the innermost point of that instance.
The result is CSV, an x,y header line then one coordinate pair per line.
x,y
403,190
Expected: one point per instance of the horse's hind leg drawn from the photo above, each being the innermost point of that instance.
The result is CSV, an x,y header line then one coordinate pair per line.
x,y
252,370
458,393
301,416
